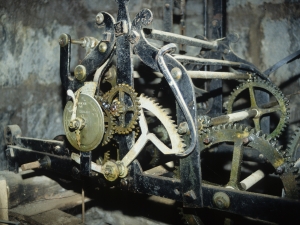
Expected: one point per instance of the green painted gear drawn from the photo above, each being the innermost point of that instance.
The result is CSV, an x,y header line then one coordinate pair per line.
x,y
257,140
293,155
293,147
117,95
232,132
281,108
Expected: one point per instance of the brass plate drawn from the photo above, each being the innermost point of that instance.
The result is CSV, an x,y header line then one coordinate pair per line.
x,y
92,133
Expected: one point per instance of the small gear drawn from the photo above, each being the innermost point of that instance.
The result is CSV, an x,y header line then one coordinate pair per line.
x,y
280,107
109,121
121,107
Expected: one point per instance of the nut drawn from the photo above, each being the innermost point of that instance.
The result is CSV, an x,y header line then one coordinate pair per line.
x,y
221,200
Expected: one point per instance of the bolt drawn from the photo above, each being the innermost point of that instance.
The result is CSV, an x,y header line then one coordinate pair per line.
x,y
183,128
102,47
206,140
261,156
176,73
99,18
57,148
80,72
221,200
63,40
177,192
167,6
202,53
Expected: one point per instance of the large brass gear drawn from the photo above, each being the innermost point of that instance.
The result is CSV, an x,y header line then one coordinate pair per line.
x,y
115,103
280,108
109,122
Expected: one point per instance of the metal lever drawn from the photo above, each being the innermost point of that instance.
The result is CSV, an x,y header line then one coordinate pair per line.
x,y
173,85
75,101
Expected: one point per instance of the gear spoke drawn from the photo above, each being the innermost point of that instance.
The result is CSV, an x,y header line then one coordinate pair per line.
x,y
256,123
252,97
235,172
269,110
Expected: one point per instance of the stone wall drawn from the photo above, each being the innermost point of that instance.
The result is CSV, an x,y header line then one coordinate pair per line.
x,y
30,88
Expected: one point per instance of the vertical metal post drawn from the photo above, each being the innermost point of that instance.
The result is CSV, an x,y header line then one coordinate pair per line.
x,y
217,32
124,71
168,15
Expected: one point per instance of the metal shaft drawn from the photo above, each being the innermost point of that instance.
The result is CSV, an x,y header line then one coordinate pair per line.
x,y
179,39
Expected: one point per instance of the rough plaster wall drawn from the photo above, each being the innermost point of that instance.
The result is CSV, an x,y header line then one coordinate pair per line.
x,y
30,89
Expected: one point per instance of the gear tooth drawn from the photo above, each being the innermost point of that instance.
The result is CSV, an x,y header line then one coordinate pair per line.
x,y
279,148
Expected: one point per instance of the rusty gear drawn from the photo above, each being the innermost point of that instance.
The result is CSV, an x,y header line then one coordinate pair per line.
x,y
109,121
280,108
117,105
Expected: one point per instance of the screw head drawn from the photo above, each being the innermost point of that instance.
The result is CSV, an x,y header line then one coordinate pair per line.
x,y
102,47
80,72
99,18
176,73
63,40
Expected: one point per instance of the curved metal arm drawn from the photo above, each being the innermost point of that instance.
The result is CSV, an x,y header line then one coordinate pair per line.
x,y
173,85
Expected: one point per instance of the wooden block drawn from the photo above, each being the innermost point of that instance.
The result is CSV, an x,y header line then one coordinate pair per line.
x,y
64,200
54,217
3,199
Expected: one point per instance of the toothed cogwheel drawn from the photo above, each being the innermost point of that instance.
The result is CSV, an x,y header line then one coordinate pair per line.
x,y
256,140
293,155
149,104
293,147
123,104
109,122
280,108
